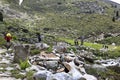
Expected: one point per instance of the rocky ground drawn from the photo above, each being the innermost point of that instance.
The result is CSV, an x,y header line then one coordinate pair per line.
x,y
6,65
58,65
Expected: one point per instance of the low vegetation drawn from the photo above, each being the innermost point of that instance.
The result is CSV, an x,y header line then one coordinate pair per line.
x,y
24,64
63,20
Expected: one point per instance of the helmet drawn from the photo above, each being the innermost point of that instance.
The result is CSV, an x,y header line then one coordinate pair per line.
x,y
8,34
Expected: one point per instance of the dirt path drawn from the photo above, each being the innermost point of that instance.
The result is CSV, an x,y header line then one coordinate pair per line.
x,y
2,50
6,65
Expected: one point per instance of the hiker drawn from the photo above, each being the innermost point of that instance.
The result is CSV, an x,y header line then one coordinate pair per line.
x,y
76,42
82,39
8,37
39,37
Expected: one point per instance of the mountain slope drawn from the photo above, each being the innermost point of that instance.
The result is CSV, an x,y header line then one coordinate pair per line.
x,y
65,18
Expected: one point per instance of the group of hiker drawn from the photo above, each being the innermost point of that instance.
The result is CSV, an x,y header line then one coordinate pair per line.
x,y
76,41
8,37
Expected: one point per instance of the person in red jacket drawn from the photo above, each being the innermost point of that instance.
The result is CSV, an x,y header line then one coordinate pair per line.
x,y
8,37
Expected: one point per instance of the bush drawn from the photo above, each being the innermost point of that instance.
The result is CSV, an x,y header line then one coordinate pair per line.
x,y
24,64
49,50
15,73
34,51
72,48
29,75
111,40
2,41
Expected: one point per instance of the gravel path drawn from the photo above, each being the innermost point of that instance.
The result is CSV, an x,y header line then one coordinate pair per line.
x,y
5,65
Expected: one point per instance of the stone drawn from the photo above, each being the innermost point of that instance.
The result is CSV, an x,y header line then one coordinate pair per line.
x,y
41,46
89,77
41,75
21,52
48,56
51,65
96,67
60,47
76,75
62,76
67,66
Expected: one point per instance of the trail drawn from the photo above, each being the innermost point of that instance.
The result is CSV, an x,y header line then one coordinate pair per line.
x,y
6,65
3,50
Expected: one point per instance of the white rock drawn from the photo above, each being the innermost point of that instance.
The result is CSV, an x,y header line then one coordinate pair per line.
x,y
20,2
89,77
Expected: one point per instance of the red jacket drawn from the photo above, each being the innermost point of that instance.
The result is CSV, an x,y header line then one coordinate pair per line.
x,y
8,38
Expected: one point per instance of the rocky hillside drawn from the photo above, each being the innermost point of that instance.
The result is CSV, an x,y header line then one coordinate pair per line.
x,y
63,18
58,56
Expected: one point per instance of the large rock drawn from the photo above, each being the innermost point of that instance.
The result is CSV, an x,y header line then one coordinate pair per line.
x,y
41,45
88,77
60,47
95,69
21,52
62,76
46,75
42,75
51,65
76,74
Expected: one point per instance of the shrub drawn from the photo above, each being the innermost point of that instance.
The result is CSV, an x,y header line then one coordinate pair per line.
x,y
29,75
24,64
34,51
2,41
71,48
15,73
49,49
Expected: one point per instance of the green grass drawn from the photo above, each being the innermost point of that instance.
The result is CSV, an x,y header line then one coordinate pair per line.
x,y
111,40
114,51
24,64
87,44
63,23
93,45
63,16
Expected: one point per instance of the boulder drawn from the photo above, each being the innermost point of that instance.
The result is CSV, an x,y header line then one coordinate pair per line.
x,y
48,56
88,77
42,75
41,46
21,52
76,75
51,65
62,76
46,75
60,47
95,67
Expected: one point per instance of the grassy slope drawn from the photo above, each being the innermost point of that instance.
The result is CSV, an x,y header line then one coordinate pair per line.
x,y
113,51
64,16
